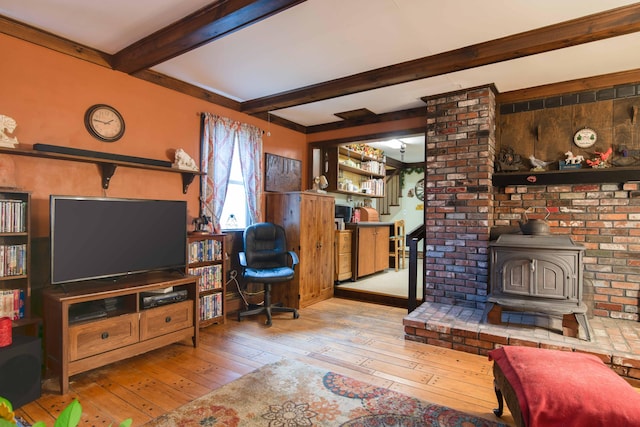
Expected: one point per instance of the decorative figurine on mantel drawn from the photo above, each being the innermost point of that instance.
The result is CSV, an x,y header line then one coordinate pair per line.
x,y
571,161
601,160
7,124
184,161
624,156
508,161
537,164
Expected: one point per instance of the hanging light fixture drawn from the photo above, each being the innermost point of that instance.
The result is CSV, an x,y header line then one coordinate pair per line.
x,y
403,148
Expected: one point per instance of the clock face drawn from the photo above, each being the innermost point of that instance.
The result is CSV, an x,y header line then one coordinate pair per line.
x,y
585,138
104,123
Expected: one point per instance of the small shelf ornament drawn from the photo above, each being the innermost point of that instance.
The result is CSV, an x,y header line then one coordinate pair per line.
x,y
7,124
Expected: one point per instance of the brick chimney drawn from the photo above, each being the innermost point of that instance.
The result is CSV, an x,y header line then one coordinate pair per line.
x,y
460,148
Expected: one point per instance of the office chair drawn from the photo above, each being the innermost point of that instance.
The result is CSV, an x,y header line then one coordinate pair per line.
x,y
266,260
398,244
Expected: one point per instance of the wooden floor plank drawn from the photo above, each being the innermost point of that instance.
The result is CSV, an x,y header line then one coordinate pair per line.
x,y
361,340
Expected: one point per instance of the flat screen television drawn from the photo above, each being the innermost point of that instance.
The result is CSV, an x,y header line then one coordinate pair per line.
x,y
93,238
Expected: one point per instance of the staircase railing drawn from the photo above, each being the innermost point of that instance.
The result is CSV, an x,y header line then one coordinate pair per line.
x,y
392,192
412,240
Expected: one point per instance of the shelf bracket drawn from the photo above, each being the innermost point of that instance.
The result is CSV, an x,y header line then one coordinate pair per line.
x,y
107,170
187,179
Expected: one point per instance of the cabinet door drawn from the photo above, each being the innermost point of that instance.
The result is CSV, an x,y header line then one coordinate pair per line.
x,y
382,248
366,251
316,247
325,250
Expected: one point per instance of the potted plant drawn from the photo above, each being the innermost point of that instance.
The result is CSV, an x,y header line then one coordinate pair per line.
x,y
69,417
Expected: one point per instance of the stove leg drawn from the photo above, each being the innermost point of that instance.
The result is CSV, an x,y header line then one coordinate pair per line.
x,y
570,325
494,313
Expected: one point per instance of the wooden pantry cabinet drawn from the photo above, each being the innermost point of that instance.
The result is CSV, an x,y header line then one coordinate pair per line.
x,y
307,219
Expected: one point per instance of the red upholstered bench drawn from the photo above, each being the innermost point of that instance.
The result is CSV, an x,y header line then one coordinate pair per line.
x,y
546,388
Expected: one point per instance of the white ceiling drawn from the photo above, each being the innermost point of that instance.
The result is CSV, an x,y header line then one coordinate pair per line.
x,y
320,40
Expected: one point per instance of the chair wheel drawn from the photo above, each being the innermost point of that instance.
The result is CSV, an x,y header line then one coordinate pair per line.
x,y
295,315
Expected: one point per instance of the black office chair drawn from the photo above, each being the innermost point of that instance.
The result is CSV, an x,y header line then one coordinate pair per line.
x,y
266,260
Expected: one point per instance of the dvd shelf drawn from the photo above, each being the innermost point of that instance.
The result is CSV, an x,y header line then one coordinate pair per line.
x,y
15,255
207,260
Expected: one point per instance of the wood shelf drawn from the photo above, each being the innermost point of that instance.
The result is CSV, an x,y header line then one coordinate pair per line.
x,y
107,166
570,176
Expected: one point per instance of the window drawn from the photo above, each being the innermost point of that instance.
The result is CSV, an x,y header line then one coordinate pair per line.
x,y
235,213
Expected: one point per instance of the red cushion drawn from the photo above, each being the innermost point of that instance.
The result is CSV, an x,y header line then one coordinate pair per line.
x,y
562,388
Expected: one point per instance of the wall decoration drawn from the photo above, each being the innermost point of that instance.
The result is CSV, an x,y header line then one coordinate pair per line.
x,y
7,125
419,189
282,174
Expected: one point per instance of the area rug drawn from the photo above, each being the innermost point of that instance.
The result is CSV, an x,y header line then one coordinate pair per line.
x,y
289,393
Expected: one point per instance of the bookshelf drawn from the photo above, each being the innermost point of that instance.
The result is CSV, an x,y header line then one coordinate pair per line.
x,y
355,173
206,259
15,260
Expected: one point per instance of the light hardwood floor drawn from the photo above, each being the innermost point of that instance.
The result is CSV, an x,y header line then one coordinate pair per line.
x,y
361,340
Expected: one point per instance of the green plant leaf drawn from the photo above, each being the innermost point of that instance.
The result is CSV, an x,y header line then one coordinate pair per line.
x,y
39,424
70,416
126,423
5,423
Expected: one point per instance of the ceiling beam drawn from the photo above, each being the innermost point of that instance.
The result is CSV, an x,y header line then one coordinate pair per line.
x,y
201,27
43,38
612,23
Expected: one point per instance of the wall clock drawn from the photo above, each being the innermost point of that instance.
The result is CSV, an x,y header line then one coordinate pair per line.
x,y
585,138
420,190
104,122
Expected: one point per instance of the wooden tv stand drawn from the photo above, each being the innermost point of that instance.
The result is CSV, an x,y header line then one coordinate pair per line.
x,y
94,323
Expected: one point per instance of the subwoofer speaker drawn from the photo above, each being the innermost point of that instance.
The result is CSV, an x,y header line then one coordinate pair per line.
x,y
20,369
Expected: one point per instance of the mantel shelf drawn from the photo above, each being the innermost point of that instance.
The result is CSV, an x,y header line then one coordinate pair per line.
x,y
570,176
107,166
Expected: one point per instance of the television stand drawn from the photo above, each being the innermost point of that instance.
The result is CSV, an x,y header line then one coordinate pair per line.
x,y
127,329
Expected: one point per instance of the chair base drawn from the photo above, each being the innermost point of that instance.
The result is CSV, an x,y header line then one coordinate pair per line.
x,y
275,308
267,308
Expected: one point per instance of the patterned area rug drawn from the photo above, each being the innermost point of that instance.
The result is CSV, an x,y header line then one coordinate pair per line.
x,y
290,393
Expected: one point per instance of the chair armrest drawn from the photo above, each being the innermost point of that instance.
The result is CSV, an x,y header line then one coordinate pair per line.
x,y
243,259
294,258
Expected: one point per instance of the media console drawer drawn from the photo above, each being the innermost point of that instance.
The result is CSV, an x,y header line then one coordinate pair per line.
x,y
91,338
165,319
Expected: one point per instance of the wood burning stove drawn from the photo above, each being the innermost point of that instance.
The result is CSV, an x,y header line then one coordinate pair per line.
x,y
538,274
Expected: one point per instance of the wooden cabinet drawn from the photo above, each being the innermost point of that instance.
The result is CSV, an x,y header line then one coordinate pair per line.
x,y
370,251
91,324
15,261
342,255
207,260
307,219
350,172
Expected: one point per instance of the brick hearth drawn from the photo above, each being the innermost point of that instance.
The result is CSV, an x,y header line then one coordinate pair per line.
x,y
616,342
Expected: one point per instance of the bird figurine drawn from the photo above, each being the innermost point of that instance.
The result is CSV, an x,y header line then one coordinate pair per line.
x,y
538,165
601,160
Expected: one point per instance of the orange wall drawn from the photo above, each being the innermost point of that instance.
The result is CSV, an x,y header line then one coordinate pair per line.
x,y
47,93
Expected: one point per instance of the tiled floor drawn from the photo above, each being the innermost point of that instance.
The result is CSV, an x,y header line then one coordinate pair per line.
x,y
610,336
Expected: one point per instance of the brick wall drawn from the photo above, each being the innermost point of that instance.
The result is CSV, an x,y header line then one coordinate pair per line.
x,y
460,147
605,218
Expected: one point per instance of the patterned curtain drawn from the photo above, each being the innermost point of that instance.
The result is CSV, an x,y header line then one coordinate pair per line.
x,y
218,136
250,153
